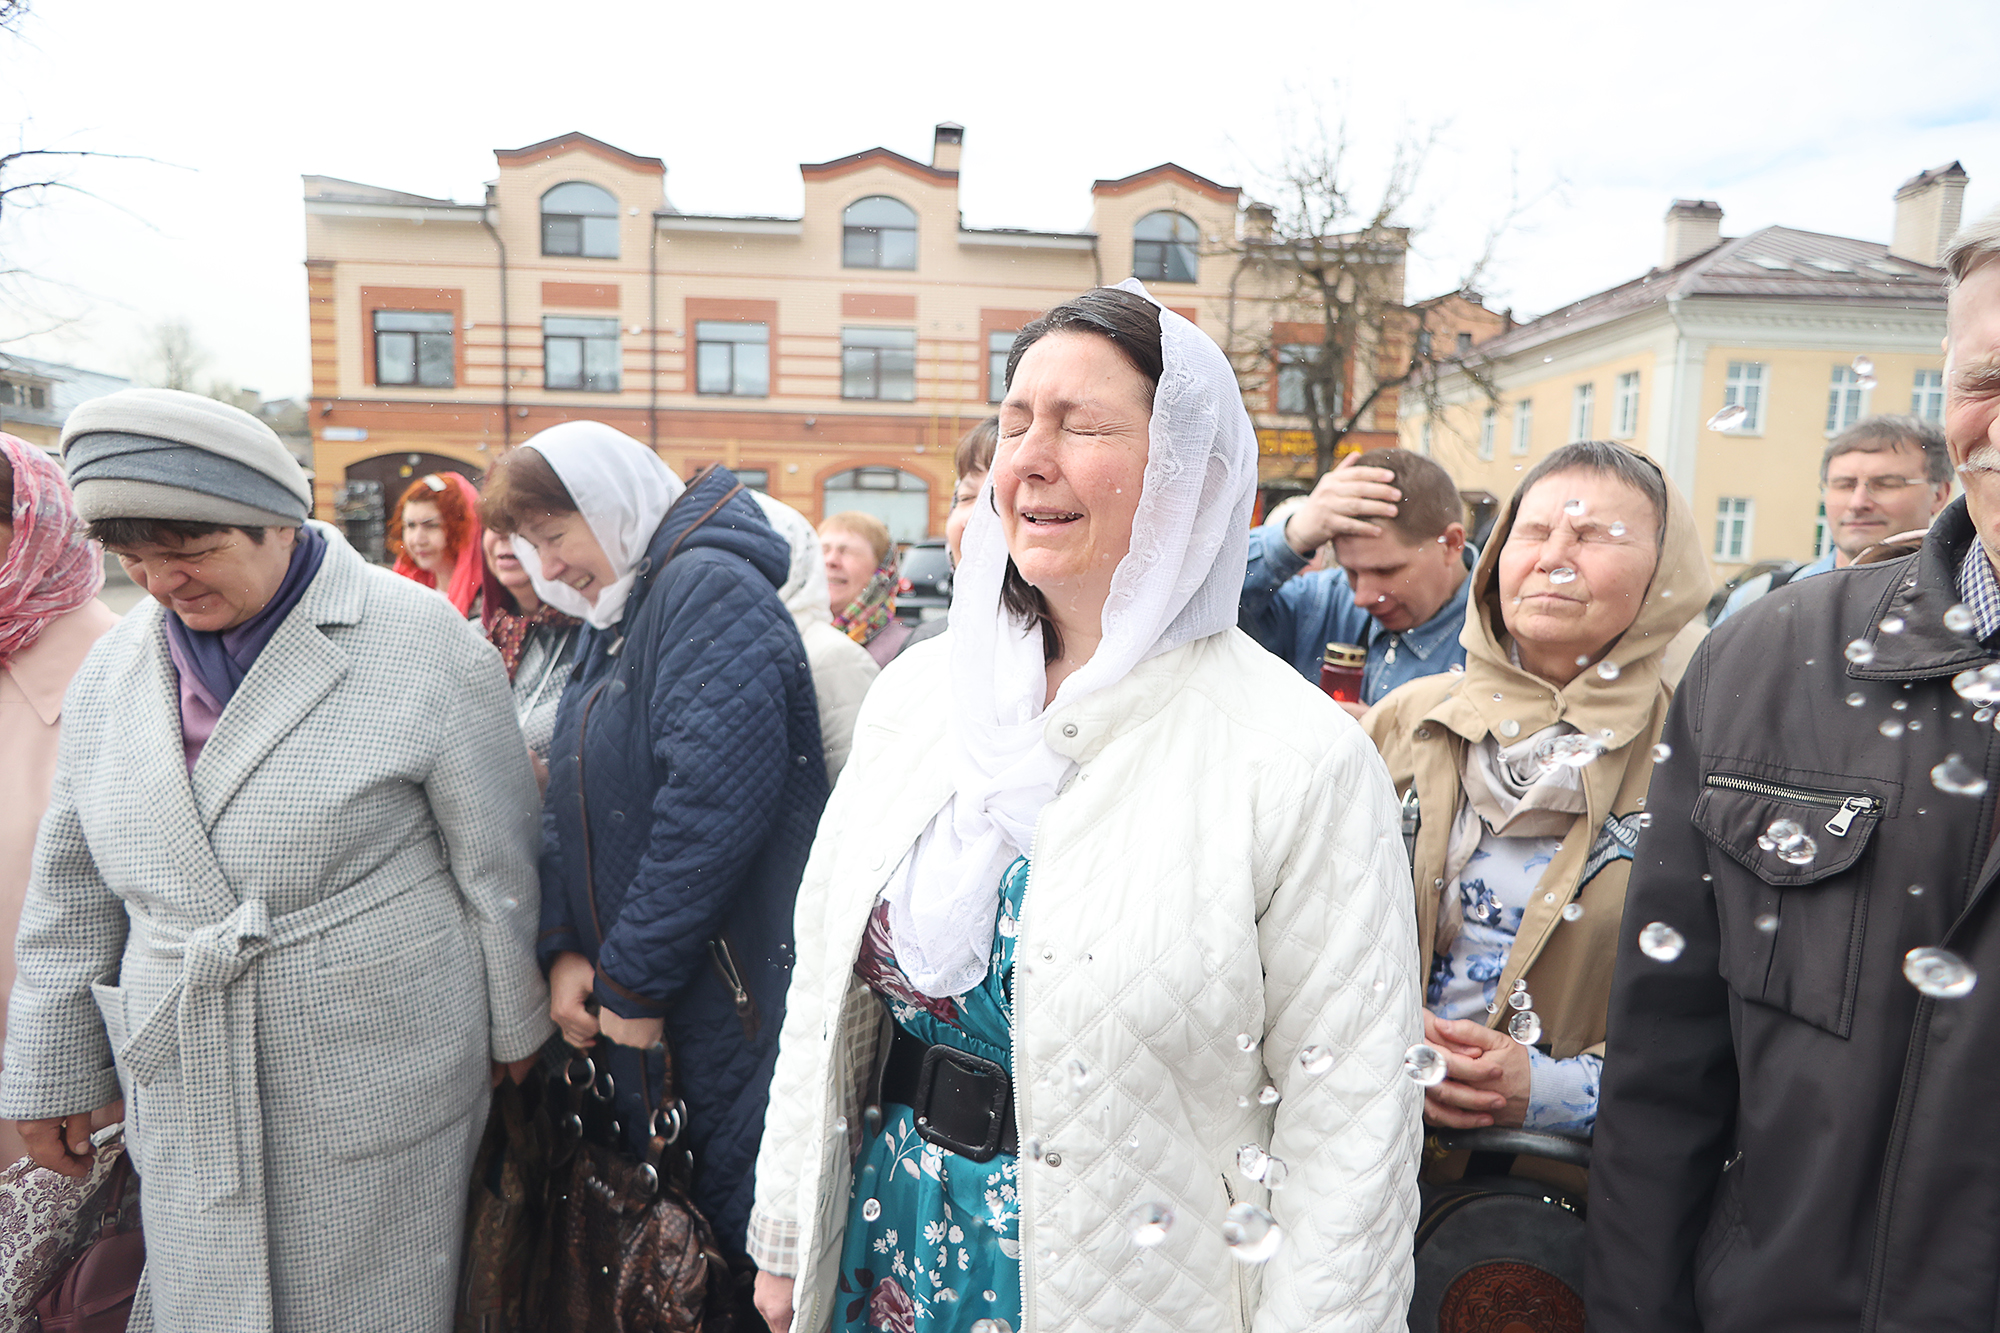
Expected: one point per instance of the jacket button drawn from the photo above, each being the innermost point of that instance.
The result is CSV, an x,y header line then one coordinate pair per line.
x,y
1069,730
1053,1159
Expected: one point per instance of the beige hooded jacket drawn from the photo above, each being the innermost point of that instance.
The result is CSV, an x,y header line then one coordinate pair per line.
x,y
1423,730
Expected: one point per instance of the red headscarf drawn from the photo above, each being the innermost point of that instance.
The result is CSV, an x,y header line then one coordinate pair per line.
x,y
458,505
50,568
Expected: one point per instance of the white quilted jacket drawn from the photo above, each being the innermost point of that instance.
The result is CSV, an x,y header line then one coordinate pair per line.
x,y
1225,865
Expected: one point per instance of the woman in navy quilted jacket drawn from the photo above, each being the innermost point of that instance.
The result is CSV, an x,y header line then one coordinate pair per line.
x,y
685,782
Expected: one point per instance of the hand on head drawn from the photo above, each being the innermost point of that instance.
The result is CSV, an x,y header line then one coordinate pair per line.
x,y
1341,504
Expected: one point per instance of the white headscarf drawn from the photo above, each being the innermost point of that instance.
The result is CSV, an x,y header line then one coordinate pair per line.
x,y
1180,580
623,490
805,593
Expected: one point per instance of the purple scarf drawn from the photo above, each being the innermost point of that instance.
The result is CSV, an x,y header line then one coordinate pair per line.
x,y
220,659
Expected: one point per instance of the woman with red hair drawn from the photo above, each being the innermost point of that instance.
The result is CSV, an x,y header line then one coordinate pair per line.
x,y
435,536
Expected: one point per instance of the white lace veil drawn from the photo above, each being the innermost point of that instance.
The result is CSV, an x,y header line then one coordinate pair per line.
x,y
622,489
1180,581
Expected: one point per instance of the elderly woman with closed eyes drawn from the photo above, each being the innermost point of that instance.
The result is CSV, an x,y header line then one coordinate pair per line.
x,y
1106,893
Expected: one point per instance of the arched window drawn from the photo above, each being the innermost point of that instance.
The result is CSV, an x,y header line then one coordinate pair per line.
x,y
878,232
900,499
1163,248
580,219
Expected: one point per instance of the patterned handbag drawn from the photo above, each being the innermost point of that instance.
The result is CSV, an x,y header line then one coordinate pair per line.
x,y
47,1221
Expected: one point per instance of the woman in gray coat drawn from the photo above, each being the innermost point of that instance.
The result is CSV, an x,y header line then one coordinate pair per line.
x,y
284,897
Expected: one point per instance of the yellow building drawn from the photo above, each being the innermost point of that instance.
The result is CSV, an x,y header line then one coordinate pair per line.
x,y
833,358
1806,332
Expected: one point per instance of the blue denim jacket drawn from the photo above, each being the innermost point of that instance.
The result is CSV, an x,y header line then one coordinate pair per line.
x,y
1297,615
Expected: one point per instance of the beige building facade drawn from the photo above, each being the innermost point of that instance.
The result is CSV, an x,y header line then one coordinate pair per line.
x,y
834,358
1806,333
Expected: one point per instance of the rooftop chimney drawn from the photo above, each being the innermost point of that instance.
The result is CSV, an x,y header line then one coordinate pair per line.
x,y
946,145
1927,208
1693,225
1259,221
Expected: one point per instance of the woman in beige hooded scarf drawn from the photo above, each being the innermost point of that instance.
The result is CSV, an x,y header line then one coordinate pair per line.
x,y
1530,771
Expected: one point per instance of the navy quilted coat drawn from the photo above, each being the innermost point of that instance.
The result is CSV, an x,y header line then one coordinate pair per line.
x,y
702,782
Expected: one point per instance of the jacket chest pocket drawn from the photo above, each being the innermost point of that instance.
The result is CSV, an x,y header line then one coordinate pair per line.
x,y
1793,906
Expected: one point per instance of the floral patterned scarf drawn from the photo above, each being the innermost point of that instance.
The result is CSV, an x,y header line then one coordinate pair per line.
x,y
866,615
49,569
506,625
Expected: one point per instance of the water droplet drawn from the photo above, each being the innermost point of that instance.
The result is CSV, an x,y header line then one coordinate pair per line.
x,y
1959,619
1766,923
1661,942
871,1209
1899,705
1573,508
1939,973
1034,1147
991,1325
1149,1224
1915,890
1562,574
1242,1100
1316,1060
1573,751
1865,382
1729,417
1525,1027
1251,1161
1856,699
1510,728
1246,1042
1497,696
1892,624
1789,842
1891,728
1864,365
1617,528
1916,725
1520,984
1981,686
1268,1096
1608,669
1959,778
1520,999
1583,659
1644,820
1251,1234
1493,1006
1861,652
1005,927
1662,752
1276,1173
1079,1077
989,1296
1572,911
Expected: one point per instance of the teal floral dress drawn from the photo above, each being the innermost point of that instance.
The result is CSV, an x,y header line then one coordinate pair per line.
x,y
933,1239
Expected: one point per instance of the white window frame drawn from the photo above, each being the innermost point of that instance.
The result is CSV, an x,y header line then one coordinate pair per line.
x,y
1739,512
1822,534
1582,411
1488,425
1748,383
1846,400
743,348
1625,406
1927,395
1524,427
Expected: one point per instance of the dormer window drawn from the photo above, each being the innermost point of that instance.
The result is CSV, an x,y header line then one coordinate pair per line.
x,y
878,232
580,219
1163,248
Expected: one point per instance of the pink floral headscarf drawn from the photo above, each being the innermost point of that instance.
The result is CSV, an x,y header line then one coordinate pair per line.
x,y
49,569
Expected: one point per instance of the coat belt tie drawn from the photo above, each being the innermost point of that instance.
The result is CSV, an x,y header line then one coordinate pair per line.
x,y
210,1020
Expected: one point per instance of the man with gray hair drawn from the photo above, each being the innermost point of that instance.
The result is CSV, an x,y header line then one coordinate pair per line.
x,y
1794,1129
1879,478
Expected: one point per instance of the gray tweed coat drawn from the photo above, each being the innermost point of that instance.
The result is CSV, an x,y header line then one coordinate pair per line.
x,y
301,956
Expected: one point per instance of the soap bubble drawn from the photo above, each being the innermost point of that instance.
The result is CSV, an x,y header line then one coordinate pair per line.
x,y
1149,1224
1729,417
1661,942
1316,1060
1861,652
1424,1064
1959,778
1251,1234
1959,620
1562,574
1525,1027
1939,973
1608,669
1572,911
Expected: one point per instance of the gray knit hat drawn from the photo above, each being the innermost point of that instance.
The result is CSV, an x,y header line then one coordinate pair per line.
x,y
160,453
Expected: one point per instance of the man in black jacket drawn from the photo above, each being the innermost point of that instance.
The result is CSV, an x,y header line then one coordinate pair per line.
x,y
1801,1090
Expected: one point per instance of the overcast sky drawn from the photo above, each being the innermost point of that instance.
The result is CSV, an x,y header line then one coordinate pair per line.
x,y
1809,117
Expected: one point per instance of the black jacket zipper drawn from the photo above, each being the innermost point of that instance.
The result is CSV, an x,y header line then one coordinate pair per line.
x,y
1845,805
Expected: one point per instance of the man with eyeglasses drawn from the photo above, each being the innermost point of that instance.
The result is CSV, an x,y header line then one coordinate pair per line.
x,y
1880,477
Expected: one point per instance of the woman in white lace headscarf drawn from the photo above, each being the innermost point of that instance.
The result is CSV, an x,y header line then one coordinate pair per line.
x,y
1105,895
